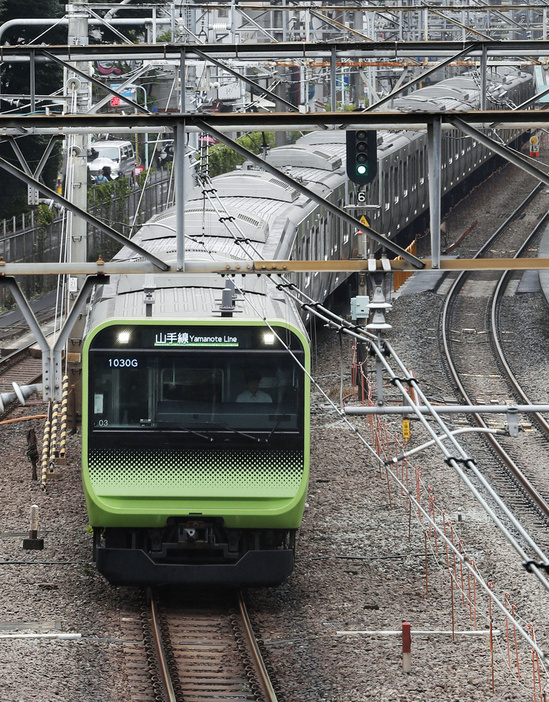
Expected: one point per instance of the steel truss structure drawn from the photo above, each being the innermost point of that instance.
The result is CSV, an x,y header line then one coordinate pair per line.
x,y
74,58
481,53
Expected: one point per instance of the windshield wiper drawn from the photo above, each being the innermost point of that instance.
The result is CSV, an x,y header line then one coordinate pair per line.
x,y
172,425
224,427
280,418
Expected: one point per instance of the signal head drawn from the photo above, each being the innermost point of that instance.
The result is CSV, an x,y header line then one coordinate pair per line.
x,y
361,156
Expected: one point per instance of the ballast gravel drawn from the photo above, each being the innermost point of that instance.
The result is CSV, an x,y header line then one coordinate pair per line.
x,y
365,561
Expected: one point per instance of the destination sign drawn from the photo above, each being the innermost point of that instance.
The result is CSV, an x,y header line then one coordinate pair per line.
x,y
183,338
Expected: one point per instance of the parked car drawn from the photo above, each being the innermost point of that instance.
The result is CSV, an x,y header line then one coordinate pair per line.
x,y
119,156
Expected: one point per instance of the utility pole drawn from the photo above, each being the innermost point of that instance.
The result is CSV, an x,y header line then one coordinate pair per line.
x,y
76,177
78,91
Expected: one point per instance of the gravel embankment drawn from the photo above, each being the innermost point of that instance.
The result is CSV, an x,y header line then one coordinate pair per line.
x,y
360,565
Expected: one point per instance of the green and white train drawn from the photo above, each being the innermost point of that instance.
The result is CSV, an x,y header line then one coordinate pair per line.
x,y
196,449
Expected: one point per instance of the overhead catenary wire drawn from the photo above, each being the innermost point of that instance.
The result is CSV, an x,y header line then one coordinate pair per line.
x,y
409,494
343,326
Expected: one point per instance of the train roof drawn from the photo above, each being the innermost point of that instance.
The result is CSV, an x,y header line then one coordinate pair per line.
x,y
193,296
250,214
252,184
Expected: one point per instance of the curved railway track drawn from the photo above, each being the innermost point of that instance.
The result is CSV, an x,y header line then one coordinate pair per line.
x,y
13,325
196,649
472,305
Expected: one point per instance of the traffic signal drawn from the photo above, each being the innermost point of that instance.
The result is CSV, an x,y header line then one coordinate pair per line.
x,y
362,156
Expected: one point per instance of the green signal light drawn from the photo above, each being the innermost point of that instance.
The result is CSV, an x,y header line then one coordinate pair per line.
x,y
361,156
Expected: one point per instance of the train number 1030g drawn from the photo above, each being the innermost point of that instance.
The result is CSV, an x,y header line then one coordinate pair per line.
x,y
123,362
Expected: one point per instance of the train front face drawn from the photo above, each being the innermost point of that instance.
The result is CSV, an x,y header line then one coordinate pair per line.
x,y
195,450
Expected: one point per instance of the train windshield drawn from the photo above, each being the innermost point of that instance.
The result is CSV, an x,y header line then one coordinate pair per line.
x,y
198,396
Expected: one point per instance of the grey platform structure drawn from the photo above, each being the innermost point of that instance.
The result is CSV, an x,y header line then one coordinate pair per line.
x,y
428,281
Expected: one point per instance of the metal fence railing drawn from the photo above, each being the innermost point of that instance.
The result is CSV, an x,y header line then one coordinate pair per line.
x,y
26,239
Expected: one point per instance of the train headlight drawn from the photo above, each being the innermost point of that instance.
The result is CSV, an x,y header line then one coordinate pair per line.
x,y
268,338
124,337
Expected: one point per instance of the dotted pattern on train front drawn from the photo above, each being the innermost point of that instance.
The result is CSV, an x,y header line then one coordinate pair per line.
x,y
197,471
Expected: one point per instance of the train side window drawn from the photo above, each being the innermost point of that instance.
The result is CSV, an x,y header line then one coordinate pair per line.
x,y
422,158
394,179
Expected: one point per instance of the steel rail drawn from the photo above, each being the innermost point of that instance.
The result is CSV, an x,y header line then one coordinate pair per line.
x,y
259,664
161,653
498,295
458,283
15,356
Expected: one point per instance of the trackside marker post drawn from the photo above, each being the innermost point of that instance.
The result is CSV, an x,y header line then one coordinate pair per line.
x,y
33,542
406,647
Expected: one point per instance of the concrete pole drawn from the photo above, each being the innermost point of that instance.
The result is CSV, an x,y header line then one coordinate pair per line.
x,y
179,165
333,80
483,77
78,88
358,92
76,190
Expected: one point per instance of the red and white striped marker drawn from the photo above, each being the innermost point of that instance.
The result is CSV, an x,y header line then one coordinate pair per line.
x,y
406,647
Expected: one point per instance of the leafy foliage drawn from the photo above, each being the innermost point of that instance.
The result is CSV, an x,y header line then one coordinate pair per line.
x,y
223,159
109,202
15,77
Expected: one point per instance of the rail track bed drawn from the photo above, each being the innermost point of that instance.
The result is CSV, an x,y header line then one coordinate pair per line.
x,y
471,333
357,566
195,647
21,367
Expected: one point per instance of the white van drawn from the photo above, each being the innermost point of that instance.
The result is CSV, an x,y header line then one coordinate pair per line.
x,y
119,156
